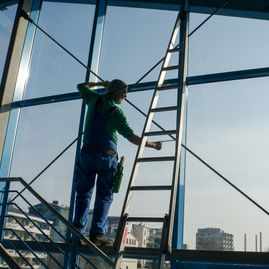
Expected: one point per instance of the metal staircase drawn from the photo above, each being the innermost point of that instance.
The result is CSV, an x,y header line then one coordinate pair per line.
x,y
39,238
179,36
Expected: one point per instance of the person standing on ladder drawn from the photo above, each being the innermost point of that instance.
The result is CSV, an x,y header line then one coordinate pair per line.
x,y
98,156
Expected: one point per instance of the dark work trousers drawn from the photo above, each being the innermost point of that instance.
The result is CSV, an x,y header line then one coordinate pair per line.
x,y
94,167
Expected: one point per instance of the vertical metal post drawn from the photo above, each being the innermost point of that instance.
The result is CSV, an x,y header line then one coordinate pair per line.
x,y
260,241
177,240
245,242
93,63
4,209
256,242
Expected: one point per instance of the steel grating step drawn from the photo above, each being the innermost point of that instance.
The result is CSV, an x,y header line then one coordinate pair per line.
x,y
155,133
151,188
145,219
164,109
156,159
169,68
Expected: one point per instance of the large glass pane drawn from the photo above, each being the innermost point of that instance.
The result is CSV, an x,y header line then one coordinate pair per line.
x,y
52,70
227,44
130,48
134,40
7,15
228,128
43,132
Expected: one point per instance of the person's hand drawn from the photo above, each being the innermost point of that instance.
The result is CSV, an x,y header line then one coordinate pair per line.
x,y
158,145
106,83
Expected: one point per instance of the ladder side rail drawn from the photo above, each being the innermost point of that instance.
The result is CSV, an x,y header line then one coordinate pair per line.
x,y
180,117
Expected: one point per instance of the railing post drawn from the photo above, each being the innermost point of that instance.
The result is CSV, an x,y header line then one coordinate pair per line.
x,y
4,209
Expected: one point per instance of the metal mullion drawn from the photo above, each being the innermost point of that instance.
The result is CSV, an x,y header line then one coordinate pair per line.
x,y
228,76
182,74
95,48
93,64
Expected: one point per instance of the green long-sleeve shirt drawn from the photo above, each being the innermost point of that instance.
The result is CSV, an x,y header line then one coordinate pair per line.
x,y
117,123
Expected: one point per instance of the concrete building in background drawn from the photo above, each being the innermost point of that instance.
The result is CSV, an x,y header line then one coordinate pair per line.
x,y
214,239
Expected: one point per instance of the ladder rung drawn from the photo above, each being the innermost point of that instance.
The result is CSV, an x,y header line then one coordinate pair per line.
x,y
156,159
168,68
167,87
145,219
164,109
166,132
174,49
151,188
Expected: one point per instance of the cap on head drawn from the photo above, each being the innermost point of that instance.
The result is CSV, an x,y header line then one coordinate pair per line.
x,y
117,86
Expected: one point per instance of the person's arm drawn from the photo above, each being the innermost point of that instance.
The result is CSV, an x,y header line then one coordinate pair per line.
x,y
137,140
89,85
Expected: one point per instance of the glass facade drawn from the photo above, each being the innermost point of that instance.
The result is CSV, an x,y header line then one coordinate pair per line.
x,y
226,126
7,16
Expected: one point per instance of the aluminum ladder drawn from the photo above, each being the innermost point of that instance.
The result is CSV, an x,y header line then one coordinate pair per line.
x,y
179,33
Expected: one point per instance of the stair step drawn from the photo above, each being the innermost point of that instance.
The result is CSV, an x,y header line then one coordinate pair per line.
x,y
164,109
168,68
151,188
145,219
156,159
155,133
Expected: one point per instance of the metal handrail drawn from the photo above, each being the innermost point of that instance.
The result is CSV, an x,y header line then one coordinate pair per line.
x,y
62,251
20,195
93,248
28,247
7,258
46,236
34,239
17,251
51,226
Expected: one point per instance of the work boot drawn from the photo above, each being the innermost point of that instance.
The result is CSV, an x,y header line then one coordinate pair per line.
x,y
100,241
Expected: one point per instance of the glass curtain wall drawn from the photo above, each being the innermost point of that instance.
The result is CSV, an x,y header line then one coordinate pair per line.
x,y
227,123
7,16
135,39
227,127
45,130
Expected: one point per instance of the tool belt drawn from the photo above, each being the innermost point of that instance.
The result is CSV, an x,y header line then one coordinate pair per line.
x,y
87,148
